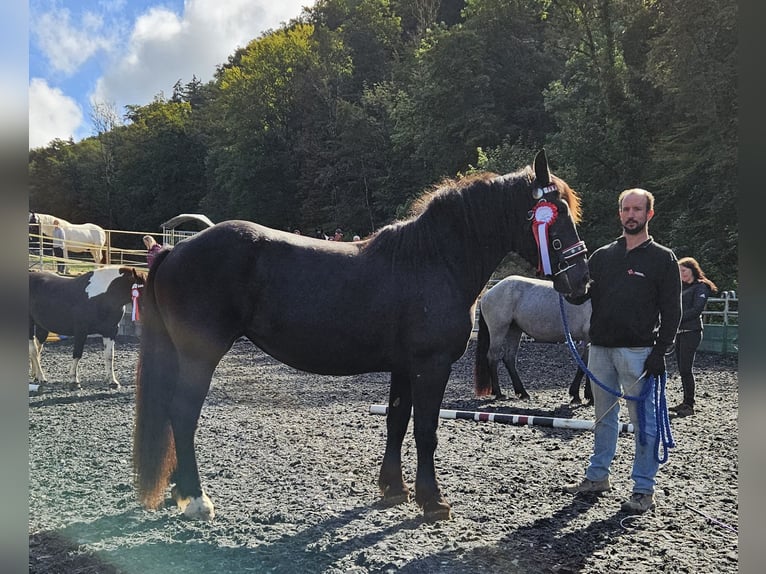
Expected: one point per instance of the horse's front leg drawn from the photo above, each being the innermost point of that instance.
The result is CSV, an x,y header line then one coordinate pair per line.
x,y
110,379
74,376
391,482
429,380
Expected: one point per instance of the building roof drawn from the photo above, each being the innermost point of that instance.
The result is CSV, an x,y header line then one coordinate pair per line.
x,y
174,222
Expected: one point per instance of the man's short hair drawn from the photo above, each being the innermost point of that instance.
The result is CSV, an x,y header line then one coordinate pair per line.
x,y
637,190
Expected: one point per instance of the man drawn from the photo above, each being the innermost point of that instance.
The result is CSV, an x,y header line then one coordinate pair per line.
x,y
636,298
59,236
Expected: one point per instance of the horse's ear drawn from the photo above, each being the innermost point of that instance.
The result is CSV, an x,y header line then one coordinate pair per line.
x,y
541,169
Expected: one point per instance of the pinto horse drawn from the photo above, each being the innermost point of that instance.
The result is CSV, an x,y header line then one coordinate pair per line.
x,y
515,306
91,303
402,301
80,237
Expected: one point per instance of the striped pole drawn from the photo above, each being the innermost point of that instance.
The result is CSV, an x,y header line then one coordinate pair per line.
x,y
511,419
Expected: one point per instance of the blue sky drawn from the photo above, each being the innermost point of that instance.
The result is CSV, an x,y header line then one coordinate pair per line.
x,y
118,52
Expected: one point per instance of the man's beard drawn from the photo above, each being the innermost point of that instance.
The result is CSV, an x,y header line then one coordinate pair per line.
x,y
635,230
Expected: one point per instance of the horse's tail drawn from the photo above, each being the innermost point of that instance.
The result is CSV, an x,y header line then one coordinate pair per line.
x,y
154,453
481,380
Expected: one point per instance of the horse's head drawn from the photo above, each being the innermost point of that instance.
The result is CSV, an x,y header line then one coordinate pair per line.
x,y
136,276
555,211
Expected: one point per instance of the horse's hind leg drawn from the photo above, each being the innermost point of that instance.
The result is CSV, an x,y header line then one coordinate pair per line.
x,y
509,360
195,373
391,482
494,355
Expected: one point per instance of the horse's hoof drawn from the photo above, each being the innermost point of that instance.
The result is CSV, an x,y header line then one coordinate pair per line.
x,y
393,497
523,397
75,386
199,508
114,385
437,509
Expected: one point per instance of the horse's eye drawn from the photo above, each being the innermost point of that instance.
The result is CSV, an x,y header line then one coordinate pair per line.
x,y
556,244
530,214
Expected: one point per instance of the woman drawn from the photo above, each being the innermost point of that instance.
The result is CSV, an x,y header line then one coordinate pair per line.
x,y
152,248
696,288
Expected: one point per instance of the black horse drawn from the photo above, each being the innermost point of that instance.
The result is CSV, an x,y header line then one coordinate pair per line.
x,y
401,302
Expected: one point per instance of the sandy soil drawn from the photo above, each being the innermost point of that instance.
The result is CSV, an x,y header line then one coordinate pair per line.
x,y
291,461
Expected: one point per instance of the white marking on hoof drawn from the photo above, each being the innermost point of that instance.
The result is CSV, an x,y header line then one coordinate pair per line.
x,y
200,508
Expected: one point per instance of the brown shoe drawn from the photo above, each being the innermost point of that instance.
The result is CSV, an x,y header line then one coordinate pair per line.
x,y
589,486
638,503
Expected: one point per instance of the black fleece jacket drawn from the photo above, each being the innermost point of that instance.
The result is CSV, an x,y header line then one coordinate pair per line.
x,y
636,295
693,299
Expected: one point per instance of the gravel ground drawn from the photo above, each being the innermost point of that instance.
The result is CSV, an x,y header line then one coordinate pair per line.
x,y
291,460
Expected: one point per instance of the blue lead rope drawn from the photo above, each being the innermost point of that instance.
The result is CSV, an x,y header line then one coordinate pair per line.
x,y
656,385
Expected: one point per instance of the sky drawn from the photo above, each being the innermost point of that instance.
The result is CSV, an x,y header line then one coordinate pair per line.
x,y
126,52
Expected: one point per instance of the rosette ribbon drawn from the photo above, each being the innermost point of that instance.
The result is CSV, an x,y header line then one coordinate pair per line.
x,y
135,293
545,213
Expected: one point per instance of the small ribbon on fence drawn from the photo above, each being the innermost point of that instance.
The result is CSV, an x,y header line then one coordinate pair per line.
x,y
545,214
135,293
655,385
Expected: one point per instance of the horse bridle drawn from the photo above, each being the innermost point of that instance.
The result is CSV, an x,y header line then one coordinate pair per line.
x,y
542,216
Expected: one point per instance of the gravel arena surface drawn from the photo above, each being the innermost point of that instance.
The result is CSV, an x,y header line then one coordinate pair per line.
x,y
291,462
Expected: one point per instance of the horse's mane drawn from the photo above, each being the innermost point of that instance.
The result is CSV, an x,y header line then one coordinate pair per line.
x,y
468,210
571,197
453,210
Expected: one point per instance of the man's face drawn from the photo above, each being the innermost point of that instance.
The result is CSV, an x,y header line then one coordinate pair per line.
x,y
633,214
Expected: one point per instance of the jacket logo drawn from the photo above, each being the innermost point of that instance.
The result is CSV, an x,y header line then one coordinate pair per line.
x,y
631,272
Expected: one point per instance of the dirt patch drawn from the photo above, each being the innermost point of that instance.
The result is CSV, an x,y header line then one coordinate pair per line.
x,y
291,460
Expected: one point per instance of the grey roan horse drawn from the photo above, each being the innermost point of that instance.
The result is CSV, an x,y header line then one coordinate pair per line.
x,y
402,302
518,305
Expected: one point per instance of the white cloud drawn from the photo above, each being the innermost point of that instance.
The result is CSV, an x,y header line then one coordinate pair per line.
x,y
51,114
165,47
67,46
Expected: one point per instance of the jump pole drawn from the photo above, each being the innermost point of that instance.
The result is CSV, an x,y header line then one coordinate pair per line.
x,y
510,419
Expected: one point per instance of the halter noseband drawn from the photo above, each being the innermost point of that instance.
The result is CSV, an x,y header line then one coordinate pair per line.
x,y
543,215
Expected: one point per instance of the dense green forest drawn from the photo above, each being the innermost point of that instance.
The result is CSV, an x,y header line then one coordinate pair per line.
x,y
344,115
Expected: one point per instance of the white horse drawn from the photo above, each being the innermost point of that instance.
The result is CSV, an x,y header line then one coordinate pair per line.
x,y
79,236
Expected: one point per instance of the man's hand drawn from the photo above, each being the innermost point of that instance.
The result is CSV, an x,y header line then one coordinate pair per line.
x,y
655,363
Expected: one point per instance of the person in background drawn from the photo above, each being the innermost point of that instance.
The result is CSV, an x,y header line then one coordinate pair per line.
x,y
338,235
635,294
59,237
34,234
696,290
152,248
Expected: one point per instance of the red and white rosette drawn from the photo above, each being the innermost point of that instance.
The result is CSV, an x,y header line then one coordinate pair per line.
x,y
545,214
135,292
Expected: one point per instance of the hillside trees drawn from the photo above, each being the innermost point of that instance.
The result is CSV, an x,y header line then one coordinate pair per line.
x,y
342,116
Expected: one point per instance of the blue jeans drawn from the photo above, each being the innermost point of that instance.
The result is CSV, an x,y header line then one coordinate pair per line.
x,y
618,368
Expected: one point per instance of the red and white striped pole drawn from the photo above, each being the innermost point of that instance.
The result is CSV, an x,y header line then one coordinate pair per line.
x,y
511,419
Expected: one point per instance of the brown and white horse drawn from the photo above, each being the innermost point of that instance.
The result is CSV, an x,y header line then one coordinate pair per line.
x,y
91,303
